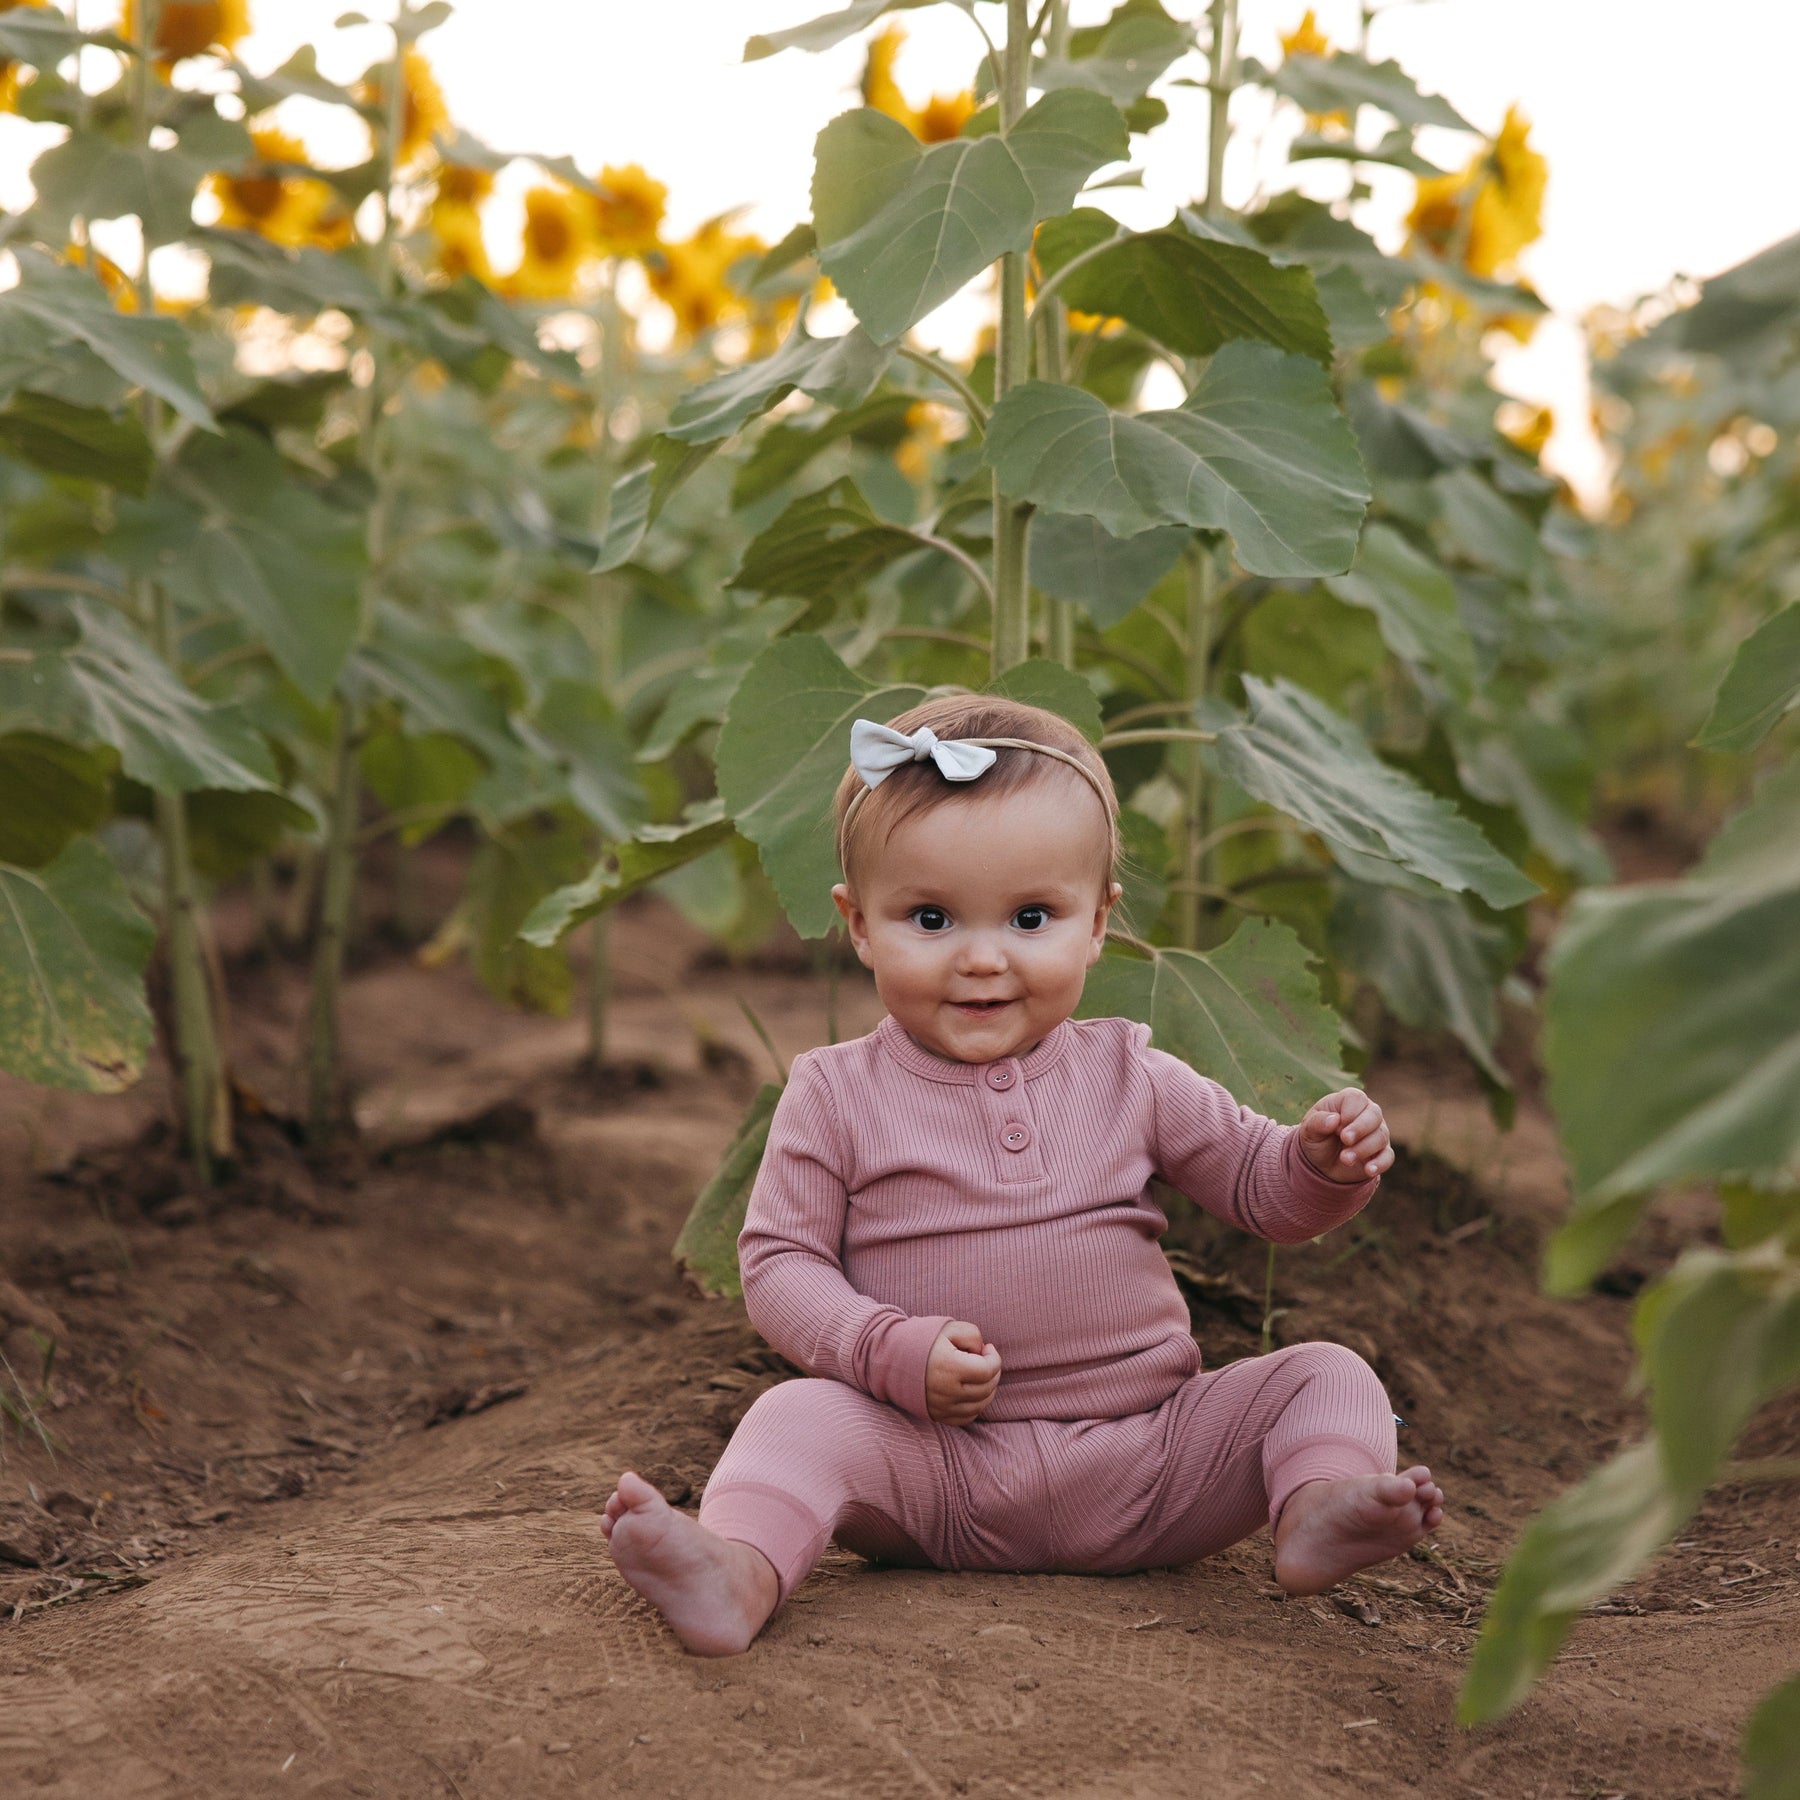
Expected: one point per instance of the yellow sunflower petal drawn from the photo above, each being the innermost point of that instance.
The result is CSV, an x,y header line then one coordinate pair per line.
x,y
628,212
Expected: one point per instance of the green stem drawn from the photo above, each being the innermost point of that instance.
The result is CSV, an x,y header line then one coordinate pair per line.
x,y
971,401
1221,80
1050,327
343,800
1202,577
1268,1318
1012,519
1171,734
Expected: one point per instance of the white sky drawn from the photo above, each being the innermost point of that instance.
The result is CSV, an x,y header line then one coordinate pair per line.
x,y
1667,125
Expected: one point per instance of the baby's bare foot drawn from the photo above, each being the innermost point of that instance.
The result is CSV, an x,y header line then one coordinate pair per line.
x,y
1330,1529
716,1594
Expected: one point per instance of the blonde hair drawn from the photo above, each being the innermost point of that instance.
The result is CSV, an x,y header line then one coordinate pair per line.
x,y
917,787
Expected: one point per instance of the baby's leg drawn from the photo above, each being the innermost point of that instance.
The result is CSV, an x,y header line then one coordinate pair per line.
x,y
809,1457
1303,1437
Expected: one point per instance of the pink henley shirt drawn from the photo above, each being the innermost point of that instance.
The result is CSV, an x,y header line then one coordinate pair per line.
x,y
901,1191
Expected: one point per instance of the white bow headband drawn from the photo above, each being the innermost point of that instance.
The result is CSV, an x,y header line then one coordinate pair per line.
x,y
876,751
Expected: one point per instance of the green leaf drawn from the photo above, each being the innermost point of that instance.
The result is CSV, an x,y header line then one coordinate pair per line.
x,y
783,750
707,1246
268,550
229,832
91,177
1258,449
1761,687
110,688
508,879
1295,753
151,353
784,450
41,37
72,956
248,270
424,778
1040,682
903,226
1344,81
1077,559
54,792
576,730
1247,1014
823,545
701,697
1414,603
1121,58
1672,1026
1191,293
297,78
1142,872
638,498
822,33
1772,1746
840,371
1749,1213
1577,1550
1424,954
1717,1337
1485,527
85,441
626,867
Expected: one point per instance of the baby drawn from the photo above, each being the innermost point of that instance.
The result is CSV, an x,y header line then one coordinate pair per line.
x,y
953,1233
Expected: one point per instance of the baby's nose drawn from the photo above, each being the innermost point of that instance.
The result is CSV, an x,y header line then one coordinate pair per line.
x,y
981,955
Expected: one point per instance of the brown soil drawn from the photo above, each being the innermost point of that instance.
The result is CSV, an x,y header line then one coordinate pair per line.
x,y
331,1443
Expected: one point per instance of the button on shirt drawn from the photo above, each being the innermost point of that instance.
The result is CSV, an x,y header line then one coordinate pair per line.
x,y
901,1190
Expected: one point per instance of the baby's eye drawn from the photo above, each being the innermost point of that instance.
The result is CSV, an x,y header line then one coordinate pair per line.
x,y
931,918
1032,918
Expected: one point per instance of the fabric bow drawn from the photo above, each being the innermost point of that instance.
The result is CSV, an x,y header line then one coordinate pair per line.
x,y
876,751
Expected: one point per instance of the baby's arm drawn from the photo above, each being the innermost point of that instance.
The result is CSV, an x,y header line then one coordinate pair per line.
x,y
1239,1165
790,1256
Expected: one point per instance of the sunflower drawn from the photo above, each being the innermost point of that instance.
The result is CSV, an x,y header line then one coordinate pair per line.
x,y
190,27
1527,426
423,113
1306,39
295,210
552,246
9,75
941,118
1490,210
460,184
458,246
690,277
627,211
120,289
879,88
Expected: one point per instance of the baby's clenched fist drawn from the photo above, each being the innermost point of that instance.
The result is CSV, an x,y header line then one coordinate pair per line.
x,y
961,1374
1345,1137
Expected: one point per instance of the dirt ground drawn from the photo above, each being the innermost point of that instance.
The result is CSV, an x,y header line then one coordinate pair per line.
x,y
330,1445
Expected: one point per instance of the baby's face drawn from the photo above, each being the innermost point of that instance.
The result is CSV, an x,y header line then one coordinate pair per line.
x,y
981,918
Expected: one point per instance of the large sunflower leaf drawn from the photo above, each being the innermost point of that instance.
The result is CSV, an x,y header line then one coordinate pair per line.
x,y
822,33
1077,559
840,371
1295,753
72,306
1120,58
110,688
1672,1028
1414,603
269,550
626,867
1190,293
1344,81
821,545
1258,449
87,441
1247,1014
1577,1550
903,226
707,1246
54,791
784,748
72,956
1760,688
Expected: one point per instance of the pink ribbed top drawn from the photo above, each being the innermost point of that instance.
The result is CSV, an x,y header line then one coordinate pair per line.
x,y
900,1191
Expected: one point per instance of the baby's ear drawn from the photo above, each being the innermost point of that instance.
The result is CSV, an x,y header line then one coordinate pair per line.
x,y
846,903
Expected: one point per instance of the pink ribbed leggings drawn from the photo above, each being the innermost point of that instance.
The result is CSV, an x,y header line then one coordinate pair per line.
x,y
817,1459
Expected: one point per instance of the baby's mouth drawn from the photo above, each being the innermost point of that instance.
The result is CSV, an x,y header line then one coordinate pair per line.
x,y
980,1008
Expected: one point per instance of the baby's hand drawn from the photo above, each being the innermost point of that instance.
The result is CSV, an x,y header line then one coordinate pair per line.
x,y
962,1374
1345,1137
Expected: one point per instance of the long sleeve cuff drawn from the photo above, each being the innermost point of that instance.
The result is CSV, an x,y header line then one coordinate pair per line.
x,y
897,1361
1322,1203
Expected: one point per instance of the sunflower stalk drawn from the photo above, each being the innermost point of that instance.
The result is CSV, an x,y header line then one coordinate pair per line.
x,y
338,883
194,1039
1012,519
